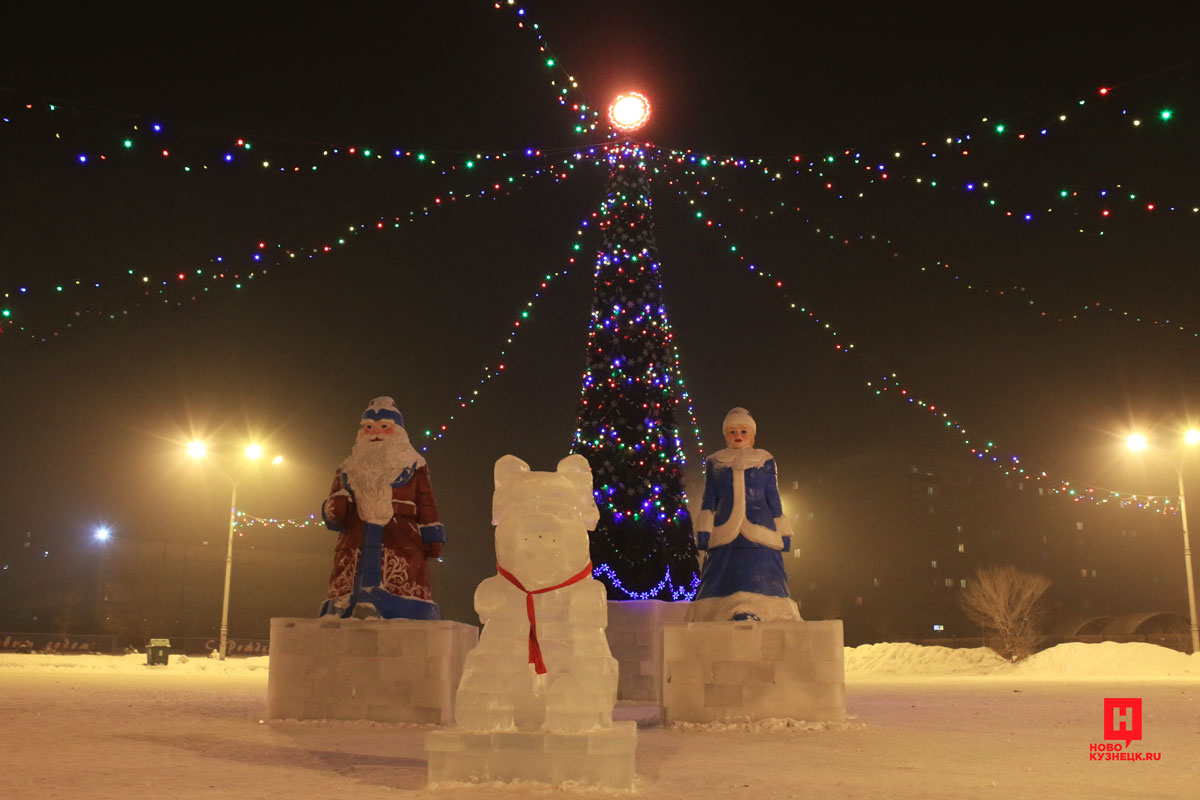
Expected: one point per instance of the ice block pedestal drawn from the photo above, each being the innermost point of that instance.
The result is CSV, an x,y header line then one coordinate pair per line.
x,y
729,671
386,670
635,639
602,757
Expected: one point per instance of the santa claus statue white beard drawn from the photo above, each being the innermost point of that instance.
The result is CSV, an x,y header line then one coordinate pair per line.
x,y
372,466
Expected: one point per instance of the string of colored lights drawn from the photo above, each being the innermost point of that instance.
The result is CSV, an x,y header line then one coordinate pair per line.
x,y
495,368
1064,196
243,522
191,285
566,88
1106,199
985,450
998,287
191,148
664,587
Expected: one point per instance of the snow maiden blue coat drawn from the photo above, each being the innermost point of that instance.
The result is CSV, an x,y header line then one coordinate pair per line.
x,y
741,525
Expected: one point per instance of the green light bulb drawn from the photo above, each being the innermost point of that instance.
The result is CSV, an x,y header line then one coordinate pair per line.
x,y
1165,114
128,143
999,129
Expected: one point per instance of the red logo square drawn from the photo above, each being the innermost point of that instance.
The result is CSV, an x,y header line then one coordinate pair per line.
x,y
1123,718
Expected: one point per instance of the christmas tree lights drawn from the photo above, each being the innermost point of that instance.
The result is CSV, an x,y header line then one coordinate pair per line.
x,y
139,291
993,285
889,386
642,547
566,88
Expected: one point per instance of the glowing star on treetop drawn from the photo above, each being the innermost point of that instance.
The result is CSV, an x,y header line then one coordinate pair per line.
x,y
629,112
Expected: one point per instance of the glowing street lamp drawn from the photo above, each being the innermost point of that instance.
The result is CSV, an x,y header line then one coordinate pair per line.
x,y
102,533
1137,443
253,452
629,111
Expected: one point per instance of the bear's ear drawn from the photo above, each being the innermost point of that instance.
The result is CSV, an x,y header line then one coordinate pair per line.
x,y
576,469
508,469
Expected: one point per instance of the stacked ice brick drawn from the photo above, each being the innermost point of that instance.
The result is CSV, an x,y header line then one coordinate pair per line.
x,y
729,671
386,670
635,638
515,721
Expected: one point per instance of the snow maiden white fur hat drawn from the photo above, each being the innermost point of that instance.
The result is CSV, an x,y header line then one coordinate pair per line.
x,y
739,416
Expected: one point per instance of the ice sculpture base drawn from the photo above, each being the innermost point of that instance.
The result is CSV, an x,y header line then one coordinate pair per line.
x,y
730,671
635,639
386,670
602,757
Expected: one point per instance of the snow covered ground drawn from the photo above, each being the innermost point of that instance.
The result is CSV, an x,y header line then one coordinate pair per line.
x,y
925,722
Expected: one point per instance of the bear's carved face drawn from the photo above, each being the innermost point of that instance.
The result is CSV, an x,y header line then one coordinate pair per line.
x,y
542,519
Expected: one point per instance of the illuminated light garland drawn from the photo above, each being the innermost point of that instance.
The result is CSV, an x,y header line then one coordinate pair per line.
x,y
237,151
490,370
664,587
189,285
876,170
1106,199
877,173
567,91
243,522
985,450
1012,466
1000,288
628,400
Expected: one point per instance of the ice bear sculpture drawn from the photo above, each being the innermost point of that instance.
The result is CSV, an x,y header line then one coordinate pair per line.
x,y
543,661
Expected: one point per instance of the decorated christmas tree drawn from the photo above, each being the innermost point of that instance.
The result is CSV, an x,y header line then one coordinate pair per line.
x,y
642,547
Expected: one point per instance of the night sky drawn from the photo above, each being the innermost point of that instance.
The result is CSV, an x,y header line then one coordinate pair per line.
x,y
94,421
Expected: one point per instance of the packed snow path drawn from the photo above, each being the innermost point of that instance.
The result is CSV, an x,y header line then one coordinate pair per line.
x,y
926,723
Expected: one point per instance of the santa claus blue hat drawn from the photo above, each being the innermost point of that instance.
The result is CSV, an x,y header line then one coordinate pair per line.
x,y
383,408
739,416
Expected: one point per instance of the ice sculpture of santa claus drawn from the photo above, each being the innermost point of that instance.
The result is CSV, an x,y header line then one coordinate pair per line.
x,y
742,526
382,508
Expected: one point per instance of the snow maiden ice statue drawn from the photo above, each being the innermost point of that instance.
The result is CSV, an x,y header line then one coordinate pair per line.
x,y
542,662
741,525
382,508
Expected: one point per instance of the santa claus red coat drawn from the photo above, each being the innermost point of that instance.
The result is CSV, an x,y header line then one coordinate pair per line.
x,y
380,569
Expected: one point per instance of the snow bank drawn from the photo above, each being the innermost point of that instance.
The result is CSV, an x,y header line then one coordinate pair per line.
x,y
1108,660
902,658
1064,661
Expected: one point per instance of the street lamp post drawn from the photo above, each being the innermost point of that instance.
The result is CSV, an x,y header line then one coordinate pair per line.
x,y
1187,561
1137,442
253,452
228,573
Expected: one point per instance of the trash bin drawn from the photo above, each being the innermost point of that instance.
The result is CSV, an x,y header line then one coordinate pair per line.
x,y
157,651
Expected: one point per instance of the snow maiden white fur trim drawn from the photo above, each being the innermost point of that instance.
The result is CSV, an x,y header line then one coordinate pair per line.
x,y
740,461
